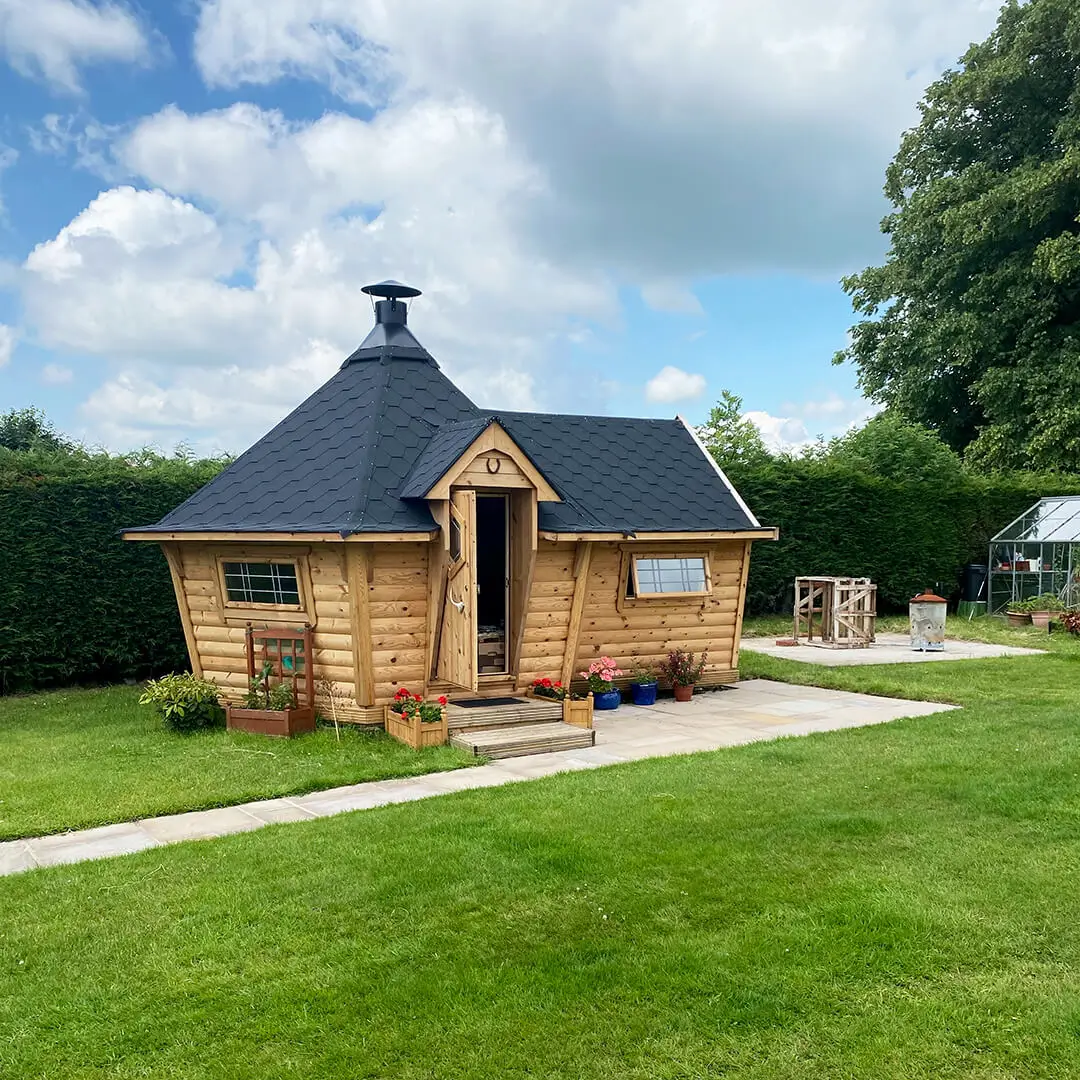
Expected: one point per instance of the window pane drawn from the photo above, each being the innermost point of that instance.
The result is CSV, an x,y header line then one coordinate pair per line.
x,y
455,540
671,575
262,583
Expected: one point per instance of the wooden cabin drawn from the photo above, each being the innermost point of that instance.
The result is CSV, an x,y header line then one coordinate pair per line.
x,y
450,549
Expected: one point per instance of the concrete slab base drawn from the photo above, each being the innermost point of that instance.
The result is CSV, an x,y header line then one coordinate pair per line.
x,y
888,649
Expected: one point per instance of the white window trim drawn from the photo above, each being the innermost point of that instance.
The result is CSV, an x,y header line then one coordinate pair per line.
x,y
639,595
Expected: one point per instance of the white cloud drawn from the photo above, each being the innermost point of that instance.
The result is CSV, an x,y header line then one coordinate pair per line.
x,y
673,384
56,374
671,296
292,219
52,39
675,141
810,420
7,343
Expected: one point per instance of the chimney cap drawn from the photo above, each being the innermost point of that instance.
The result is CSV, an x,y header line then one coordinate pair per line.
x,y
391,290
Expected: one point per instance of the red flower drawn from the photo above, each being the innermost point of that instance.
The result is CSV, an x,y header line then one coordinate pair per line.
x,y
547,682
442,699
417,697
402,693
559,685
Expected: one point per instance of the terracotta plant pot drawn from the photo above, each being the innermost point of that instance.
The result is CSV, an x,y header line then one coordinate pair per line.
x,y
683,693
1018,618
1041,619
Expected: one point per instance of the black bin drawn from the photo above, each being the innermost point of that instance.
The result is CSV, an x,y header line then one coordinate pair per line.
x,y
973,583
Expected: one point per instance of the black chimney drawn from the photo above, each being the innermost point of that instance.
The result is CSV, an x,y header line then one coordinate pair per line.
x,y
389,339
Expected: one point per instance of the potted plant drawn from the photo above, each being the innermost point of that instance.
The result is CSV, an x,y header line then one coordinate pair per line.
x,y
577,709
1017,613
643,683
683,672
270,708
1042,608
416,722
601,676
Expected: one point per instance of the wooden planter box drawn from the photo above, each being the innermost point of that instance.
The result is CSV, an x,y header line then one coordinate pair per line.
x,y
280,722
578,713
415,732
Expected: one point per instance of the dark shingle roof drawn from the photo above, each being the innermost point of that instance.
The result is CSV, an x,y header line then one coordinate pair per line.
x,y
442,450
618,474
359,454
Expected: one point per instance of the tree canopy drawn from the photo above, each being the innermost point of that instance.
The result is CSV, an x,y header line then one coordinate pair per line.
x,y
972,325
890,447
29,429
729,436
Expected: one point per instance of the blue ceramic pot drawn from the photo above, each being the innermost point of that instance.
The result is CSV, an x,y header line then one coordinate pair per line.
x,y
610,700
643,693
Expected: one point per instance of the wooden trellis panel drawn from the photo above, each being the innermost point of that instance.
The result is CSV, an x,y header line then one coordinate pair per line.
x,y
841,612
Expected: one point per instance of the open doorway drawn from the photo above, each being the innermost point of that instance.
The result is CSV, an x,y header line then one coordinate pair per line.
x,y
492,582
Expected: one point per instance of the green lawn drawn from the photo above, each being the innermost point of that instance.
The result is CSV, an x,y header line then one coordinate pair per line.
x,y
895,901
76,758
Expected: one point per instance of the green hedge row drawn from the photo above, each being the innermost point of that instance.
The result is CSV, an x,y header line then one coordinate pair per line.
x,y
905,536
77,603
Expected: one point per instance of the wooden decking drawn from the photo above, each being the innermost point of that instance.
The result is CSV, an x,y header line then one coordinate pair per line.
x,y
501,731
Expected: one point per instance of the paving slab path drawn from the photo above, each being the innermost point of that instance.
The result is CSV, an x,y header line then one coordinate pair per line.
x,y
752,711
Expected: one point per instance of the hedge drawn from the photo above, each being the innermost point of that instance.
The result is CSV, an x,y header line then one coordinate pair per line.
x,y
77,603
905,536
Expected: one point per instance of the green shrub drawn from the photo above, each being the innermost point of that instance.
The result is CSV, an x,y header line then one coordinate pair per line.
x,y
184,702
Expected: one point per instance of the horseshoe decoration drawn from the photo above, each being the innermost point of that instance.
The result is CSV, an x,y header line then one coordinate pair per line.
x,y
494,465
459,604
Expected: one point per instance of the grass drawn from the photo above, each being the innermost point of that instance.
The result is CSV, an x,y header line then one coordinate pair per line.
x,y
76,758
892,901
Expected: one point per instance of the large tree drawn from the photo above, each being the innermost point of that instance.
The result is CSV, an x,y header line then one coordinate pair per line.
x,y
972,325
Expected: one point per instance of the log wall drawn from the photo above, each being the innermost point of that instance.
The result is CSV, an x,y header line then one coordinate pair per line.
x,y
398,593
645,630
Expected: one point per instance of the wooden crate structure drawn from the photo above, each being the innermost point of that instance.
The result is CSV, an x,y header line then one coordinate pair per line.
x,y
841,611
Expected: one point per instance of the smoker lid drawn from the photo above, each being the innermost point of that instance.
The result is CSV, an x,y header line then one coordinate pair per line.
x,y
928,598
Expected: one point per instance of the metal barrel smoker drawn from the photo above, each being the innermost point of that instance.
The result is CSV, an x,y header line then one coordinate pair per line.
x,y
927,611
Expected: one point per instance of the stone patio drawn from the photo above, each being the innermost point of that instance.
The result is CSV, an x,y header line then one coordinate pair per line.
x,y
888,649
749,712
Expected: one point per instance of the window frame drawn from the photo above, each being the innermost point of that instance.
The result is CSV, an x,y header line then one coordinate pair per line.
x,y
241,611
695,594
257,604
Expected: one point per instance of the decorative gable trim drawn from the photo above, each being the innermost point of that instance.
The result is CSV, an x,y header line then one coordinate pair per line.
x,y
493,445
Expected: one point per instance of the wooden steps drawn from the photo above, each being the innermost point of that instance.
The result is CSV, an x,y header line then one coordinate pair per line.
x,y
520,739
498,716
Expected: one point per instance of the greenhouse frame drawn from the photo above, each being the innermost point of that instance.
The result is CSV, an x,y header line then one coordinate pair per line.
x,y
1038,553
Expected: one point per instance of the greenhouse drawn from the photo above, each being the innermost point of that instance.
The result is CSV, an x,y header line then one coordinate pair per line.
x,y
1038,553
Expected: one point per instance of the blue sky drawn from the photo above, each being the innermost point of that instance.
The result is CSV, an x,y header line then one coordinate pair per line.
x,y
617,209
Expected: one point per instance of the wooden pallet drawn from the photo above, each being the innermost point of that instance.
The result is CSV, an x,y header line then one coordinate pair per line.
x,y
520,740
842,611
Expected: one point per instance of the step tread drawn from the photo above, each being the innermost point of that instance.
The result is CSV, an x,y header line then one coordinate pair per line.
x,y
499,716
522,739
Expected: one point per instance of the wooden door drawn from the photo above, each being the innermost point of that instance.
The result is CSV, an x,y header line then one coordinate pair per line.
x,y
457,640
